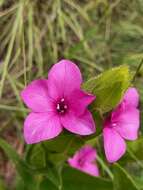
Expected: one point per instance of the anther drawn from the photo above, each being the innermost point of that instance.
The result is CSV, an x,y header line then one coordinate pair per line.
x,y
61,106
58,106
114,124
65,107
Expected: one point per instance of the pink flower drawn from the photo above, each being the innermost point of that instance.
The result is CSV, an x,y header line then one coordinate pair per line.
x,y
122,124
57,103
84,160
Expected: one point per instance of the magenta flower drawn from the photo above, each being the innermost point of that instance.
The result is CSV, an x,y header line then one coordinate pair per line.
x,y
85,160
122,124
57,103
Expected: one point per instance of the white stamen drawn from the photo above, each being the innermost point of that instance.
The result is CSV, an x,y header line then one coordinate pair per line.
x,y
114,124
62,100
65,106
58,106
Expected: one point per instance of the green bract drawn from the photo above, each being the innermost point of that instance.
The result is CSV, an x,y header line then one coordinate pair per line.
x,y
108,87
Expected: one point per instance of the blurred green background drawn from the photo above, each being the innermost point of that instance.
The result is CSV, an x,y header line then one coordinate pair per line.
x,y
34,34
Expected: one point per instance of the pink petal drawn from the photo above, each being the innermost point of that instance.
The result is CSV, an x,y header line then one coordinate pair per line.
x,y
85,154
79,100
41,126
74,161
35,96
83,160
63,78
114,145
128,123
88,153
91,169
132,97
83,125
88,168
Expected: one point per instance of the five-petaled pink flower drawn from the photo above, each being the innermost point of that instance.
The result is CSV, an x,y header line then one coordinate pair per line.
x,y
57,103
123,123
85,160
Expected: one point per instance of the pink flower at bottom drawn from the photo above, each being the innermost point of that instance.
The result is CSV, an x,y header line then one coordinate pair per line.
x,y
56,103
122,124
84,160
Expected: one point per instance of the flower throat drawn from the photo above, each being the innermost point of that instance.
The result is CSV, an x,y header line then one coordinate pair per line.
x,y
61,106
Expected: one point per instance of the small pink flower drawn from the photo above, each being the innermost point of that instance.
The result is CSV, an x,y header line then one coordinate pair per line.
x,y
85,160
122,124
57,103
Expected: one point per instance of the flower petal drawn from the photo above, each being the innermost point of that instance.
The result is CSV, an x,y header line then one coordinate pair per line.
x,y
132,97
74,161
35,96
63,78
114,145
85,154
88,153
128,123
41,126
83,125
91,169
79,100
88,168
84,160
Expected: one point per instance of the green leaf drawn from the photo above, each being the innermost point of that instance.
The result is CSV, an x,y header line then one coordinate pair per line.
x,y
74,180
51,172
139,182
109,87
66,142
134,153
54,175
53,151
136,147
19,183
44,163
36,156
20,165
47,185
122,179
57,158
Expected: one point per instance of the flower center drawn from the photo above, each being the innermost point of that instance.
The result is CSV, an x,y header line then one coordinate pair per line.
x,y
61,106
81,162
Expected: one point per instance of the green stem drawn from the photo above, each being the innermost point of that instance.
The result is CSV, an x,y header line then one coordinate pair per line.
x,y
101,162
134,157
137,71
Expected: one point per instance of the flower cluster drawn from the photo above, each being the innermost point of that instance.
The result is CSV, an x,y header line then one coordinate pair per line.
x,y
59,103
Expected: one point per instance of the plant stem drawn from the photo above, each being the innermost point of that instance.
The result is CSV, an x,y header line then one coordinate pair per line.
x,y
137,71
